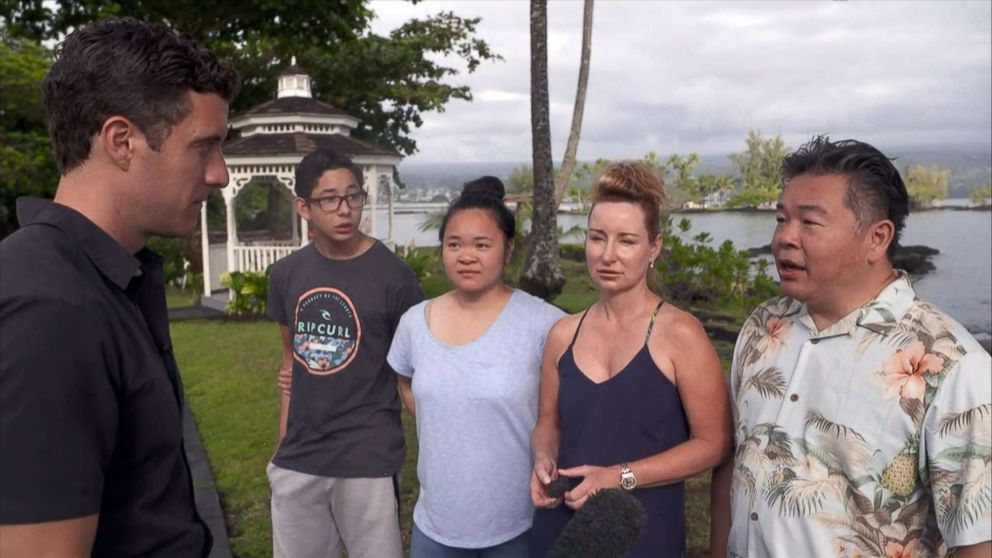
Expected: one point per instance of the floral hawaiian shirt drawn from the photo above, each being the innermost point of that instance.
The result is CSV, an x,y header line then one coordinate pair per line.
x,y
872,437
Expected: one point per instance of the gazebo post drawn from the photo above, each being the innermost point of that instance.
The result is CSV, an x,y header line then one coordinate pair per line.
x,y
372,186
389,206
205,247
232,234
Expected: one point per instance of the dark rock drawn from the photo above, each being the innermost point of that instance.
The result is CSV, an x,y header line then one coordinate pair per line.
x,y
760,250
915,259
984,339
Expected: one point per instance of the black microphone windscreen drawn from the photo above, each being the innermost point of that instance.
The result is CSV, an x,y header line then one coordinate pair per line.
x,y
607,526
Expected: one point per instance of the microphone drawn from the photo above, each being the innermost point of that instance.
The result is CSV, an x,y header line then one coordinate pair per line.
x,y
607,526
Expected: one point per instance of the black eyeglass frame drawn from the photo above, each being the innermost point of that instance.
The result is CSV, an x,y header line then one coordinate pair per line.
x,y
355,200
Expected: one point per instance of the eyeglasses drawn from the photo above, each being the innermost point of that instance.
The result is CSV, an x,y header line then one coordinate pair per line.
x,y
333,203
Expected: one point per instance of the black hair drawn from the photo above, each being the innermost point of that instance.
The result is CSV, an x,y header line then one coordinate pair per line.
x,y
141,71
485,193
315,164
875,190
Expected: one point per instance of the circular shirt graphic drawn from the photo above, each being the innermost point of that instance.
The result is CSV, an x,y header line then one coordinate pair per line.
x,y
327,331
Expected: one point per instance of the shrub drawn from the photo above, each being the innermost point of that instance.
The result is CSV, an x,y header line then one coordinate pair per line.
x,y
250,293
423,261
693,272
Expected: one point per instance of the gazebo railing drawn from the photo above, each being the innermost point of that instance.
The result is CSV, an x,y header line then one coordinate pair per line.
x,y
258,257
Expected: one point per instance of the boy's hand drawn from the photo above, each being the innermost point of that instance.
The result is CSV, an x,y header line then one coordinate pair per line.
x,y
286,382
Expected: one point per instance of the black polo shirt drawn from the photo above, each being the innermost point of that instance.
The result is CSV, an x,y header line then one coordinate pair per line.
x,y
90,394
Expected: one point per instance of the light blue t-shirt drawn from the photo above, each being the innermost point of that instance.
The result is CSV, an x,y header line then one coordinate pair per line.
x,y
476,408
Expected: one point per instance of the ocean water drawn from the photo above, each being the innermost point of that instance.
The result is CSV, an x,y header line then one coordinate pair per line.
x,y
961,284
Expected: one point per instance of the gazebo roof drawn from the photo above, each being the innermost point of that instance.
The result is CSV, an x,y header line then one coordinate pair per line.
x,y
292,105
293,70
301,143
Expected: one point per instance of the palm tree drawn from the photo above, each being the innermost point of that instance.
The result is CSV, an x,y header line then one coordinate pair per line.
x,y
568,163
542,274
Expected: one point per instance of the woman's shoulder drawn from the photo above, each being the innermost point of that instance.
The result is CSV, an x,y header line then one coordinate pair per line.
x,y
532,305
413,313
563,330
679,326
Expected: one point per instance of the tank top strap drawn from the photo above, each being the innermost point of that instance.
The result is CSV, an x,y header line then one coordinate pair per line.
x,y
650,324
576,335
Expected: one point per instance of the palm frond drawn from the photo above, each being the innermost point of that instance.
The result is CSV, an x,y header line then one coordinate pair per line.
x,y
970,509
960,454
744,479
432,221
768,382
913,408
818,421
956,421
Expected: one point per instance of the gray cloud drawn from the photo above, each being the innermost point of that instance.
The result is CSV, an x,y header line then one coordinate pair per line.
x,y
678,77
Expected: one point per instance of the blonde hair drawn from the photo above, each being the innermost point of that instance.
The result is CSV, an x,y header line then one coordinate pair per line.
x,y
634,182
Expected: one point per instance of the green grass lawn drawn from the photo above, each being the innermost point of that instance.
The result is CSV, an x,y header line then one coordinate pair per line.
x,y
177,298
229,369
229,373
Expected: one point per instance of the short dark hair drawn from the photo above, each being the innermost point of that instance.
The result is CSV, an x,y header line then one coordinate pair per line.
x,y
485,193
315,164
875,190
131,68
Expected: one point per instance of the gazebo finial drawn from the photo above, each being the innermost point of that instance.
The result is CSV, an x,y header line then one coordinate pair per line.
x,y
292,61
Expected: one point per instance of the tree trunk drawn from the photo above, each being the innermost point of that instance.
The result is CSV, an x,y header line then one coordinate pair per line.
x,y
542,269
568,163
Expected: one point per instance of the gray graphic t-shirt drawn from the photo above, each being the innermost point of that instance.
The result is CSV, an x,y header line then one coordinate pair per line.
x,y
476,407
344,413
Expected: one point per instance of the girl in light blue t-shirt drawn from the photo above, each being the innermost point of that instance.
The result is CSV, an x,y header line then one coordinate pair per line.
x,y
469,364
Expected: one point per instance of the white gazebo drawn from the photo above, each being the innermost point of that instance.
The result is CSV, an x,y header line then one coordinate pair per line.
x,y
274,137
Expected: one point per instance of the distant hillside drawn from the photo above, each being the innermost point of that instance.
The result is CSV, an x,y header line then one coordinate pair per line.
x,y
970,168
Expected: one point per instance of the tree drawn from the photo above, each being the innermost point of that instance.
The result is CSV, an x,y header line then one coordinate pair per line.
x,y
925,185
981,196
27,166
521,180
580,198
760,170
388,81
586,173
542,274
709,183
568,163
682,183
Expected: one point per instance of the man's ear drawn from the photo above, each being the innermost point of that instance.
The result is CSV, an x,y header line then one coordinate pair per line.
x,y
879,237
118,140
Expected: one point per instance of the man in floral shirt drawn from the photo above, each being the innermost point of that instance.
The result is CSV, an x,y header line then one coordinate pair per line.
x,y
863,414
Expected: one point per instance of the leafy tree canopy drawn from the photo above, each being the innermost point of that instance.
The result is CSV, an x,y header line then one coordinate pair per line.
x,y
925,184
388,81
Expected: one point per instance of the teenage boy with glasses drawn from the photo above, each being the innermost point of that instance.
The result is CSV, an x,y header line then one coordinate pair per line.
x,y
338,301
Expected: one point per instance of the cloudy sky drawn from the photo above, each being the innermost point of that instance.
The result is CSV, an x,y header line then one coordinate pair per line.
x,y
680,77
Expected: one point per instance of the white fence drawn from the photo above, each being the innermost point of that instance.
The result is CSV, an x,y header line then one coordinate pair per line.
x,y
258,257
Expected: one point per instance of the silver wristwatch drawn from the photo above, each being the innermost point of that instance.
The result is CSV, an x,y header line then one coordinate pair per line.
x,y
627,479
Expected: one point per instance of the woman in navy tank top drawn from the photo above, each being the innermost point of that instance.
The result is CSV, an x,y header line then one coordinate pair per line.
x,y
632,392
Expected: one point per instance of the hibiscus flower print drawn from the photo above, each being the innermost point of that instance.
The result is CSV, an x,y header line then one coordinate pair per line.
x,y
896,550
776,332
903,371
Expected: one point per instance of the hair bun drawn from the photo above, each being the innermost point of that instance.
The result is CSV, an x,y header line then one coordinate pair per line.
x,y
485,186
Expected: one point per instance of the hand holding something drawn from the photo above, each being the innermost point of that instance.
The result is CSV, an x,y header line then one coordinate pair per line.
x,y
286,382
596,479
545,471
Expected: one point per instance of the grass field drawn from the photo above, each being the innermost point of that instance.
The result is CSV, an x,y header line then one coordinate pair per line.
x,y
229,366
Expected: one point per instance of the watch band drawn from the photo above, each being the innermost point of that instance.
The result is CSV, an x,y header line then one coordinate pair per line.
x,y
628,481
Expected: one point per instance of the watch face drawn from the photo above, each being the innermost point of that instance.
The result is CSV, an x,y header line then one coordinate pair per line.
x,y
628,482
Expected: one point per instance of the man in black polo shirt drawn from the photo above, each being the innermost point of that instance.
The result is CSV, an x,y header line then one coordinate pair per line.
x,y
91,453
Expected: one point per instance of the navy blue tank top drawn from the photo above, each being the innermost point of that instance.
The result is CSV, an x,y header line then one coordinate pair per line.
x,y
632,415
